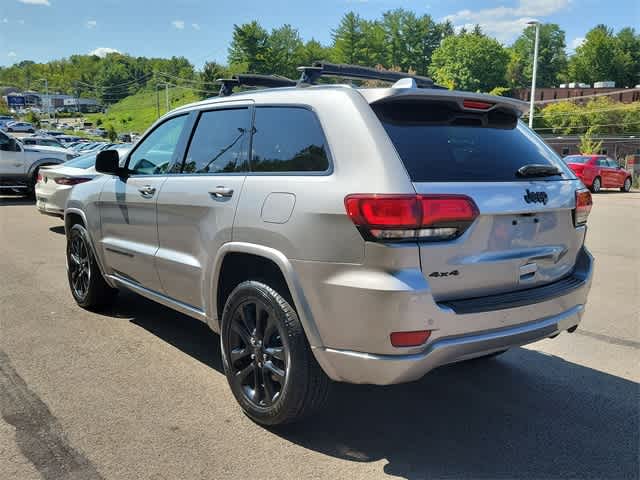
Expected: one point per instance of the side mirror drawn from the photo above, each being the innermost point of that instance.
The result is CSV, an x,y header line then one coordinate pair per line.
x,y
108,161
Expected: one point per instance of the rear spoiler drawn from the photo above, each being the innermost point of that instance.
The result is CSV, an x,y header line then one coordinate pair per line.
x,y
476,102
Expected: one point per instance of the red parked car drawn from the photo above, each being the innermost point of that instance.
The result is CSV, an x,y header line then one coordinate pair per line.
x,y
599,171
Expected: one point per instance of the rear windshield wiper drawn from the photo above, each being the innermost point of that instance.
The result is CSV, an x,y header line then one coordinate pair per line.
x,y
537,170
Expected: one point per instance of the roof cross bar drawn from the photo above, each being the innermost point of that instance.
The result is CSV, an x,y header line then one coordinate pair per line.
x,y
324,69
253,80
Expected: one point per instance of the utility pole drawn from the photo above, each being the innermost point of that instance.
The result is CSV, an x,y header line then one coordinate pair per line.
x,y
157,102
535,69
166,94
46,93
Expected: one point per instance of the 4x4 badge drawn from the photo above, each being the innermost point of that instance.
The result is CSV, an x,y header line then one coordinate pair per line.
x,y
536,197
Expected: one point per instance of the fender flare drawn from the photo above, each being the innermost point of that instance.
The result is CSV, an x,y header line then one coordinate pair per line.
x,y
290,276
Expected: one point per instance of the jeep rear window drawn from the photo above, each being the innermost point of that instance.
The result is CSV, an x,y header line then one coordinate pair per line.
x,y
438,143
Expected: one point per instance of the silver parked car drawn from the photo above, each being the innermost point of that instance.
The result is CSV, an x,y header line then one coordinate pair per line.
x,y
335,233
54,183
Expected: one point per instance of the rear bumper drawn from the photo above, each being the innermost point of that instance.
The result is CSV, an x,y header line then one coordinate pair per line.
x,y
463,336
357,367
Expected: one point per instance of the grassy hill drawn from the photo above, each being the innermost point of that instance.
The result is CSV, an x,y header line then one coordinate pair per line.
x,y
136,113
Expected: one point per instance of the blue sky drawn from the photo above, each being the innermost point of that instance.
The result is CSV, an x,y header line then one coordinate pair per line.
x,y
42,30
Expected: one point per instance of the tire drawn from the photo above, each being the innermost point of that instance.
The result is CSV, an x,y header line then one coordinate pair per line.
x,y
87,285
31,131
268,363
31,188
596,185
626,186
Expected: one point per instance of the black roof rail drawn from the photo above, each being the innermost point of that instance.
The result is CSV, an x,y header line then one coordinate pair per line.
x,y
324,69
253,80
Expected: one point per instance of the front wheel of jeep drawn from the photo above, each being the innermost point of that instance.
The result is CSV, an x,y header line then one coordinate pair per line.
x,y
267,360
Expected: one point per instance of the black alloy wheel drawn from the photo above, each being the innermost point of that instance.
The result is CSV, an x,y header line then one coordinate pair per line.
x,y
79,267
258,356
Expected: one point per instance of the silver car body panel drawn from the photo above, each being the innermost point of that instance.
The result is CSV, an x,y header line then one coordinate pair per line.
x,y
349,293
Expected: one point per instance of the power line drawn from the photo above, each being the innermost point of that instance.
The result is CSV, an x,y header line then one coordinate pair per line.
x,y
624,107
603,94
587,126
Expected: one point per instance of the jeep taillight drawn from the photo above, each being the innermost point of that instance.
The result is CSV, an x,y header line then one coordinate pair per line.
x,y
583,207
392,218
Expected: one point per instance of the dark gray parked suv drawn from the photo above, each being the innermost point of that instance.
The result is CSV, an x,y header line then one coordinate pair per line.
x,y
336,233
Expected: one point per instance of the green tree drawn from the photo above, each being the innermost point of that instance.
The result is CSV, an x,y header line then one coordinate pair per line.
x,y
588,145
349,40
314,51
552,59
284,49
601,57
211,71
629,43
249,48
469,61
111,132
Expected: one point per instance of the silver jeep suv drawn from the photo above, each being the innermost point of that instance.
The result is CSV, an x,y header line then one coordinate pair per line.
x,y
335,233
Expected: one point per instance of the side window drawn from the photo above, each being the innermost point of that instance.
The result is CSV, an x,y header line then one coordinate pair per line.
x,y
26,141
155,153
612,163
602,162
220,142
288,139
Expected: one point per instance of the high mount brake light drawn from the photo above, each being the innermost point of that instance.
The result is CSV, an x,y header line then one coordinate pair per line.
x,y
411,217
475,104
583,207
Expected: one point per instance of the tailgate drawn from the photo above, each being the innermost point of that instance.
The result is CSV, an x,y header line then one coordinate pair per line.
x,y
524,235
512,245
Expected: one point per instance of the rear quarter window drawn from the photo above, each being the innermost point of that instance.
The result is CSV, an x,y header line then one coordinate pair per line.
x,y
437,143
288,139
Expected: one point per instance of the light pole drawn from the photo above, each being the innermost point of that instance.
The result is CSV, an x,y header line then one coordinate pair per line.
x,y
46,93
535,69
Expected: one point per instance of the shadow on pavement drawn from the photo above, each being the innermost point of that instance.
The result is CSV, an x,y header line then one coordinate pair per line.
x,y
59,229
15,200
522,415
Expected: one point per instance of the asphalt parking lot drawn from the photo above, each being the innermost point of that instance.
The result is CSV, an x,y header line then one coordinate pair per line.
x,y
137,392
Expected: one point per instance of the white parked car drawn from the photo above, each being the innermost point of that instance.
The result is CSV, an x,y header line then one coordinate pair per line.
x,y
20,127
55,182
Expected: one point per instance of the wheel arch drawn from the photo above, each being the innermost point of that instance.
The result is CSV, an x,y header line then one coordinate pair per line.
x,y
262,254
43,162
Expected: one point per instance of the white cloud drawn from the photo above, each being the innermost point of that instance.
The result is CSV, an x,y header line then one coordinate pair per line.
x,y
5,20
36,2
11,54
195,26
91,23
576,42
505,23
179,24
103,51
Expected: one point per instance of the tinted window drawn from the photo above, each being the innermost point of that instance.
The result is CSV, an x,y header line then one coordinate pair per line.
x,y
602,162
288,139
576,159
26,141
220,142
612,163
439,144
155,153
83,161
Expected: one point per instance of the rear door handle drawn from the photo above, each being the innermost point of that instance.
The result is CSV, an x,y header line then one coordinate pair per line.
x,y
221,191
147,191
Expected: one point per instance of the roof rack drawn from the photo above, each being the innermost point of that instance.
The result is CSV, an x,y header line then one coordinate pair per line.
x,y
253,80
324,69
